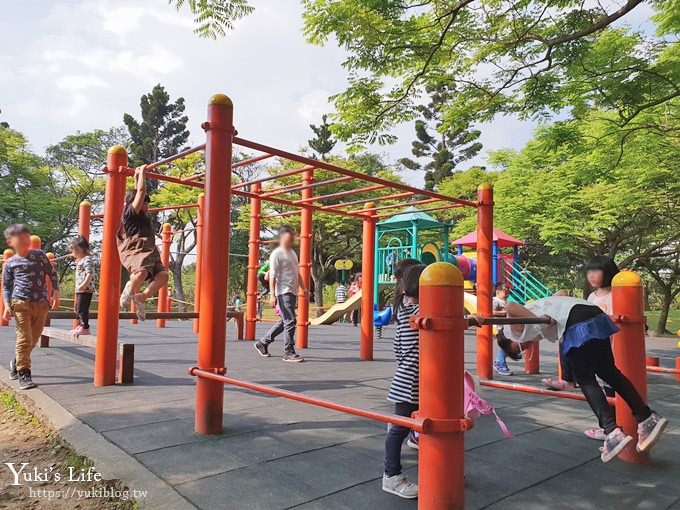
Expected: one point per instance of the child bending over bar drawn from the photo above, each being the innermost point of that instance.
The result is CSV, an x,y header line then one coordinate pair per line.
x,y
584,330
137,248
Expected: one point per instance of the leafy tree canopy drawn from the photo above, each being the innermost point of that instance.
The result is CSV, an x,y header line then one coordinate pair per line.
x,y
533,57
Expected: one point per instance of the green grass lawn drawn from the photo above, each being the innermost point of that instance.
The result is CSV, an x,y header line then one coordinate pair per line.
x,y
673,323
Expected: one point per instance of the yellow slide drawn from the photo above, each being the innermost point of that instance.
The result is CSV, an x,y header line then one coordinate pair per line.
x,y
470,302
338,311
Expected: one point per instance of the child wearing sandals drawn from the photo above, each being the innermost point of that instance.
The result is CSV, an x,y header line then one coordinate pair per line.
x,y
137,248
584,329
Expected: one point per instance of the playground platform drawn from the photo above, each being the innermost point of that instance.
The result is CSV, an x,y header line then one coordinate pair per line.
x,y
280,454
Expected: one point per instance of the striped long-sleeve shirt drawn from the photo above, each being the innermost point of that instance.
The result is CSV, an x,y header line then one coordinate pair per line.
x,y
404,387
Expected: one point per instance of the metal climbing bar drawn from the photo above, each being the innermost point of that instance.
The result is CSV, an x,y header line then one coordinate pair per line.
x,y
344,171
175,157
419,425
525,388
272,177
299,187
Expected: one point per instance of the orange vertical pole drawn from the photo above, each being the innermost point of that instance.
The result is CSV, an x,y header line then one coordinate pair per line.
x,y
133,308
109,276
532,359
677,367
302,339
84,221
367,283
484,261
199,250
253,262
212,329
6,255
629,352
441,324
165,260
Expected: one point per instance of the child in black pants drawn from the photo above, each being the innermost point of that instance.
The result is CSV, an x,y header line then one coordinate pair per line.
x,y
584,331
80,249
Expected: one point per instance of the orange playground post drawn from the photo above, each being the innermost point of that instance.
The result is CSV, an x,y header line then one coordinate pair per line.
x,y
307,193
36,242
84,219
253,261
532,359
165,260
629,352
212,329
6,255
442,326
367,290
109,278
484,262
199,250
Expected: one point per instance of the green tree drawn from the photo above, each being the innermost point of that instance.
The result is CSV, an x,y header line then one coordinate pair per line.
x,y
162,132
445,148
214,17
43,196
533,57
323,142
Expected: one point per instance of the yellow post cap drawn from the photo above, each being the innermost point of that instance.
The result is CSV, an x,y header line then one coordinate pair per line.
x,y
167,226
49,255
627,278
220,99
35,239
7,254
485,185
442,273
117,149
85,203
201,195
369,205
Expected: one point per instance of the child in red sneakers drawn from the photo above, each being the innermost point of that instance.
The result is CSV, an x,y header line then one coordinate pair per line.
x,y
584,330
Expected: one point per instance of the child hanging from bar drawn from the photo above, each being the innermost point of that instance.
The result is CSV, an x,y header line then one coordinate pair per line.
x,y
584,330
137,248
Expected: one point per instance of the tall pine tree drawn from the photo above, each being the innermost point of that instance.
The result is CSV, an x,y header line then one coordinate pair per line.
x,y
443,148
162,132
323,143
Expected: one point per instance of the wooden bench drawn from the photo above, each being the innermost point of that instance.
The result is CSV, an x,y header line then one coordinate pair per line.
x,y
126,352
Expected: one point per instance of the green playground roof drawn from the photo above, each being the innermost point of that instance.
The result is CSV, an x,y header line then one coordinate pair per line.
x,y
410,216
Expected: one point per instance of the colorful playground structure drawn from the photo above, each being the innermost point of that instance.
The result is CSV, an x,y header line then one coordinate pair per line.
x,y
441,419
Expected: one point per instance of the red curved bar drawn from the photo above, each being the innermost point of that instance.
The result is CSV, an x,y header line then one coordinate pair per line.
x,y
416,424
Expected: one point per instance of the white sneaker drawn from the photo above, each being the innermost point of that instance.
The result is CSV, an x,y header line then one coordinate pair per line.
x,y
399,486
126,296
139,307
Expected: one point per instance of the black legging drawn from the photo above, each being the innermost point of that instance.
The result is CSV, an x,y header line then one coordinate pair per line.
x,y
595,358
83,301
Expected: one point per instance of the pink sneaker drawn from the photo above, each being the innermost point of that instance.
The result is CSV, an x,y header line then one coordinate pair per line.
x,y
80,330
596,434
614,444
649,431
557,384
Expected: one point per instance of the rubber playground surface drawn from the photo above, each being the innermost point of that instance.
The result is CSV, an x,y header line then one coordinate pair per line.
x,y
280,454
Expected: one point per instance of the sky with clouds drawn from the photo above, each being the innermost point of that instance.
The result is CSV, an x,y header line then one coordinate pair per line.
x,y
80,64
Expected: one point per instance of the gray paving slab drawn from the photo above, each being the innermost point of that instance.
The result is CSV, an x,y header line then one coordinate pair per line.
x,y
275,454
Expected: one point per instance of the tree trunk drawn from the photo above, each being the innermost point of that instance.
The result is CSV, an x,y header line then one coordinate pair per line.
x,y
645,297
178,286
663,316
317,276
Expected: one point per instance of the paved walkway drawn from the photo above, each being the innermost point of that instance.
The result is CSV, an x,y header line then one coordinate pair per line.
x,y
280,454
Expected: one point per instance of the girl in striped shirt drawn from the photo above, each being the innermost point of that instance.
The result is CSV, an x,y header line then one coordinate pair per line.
x,y
404,388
